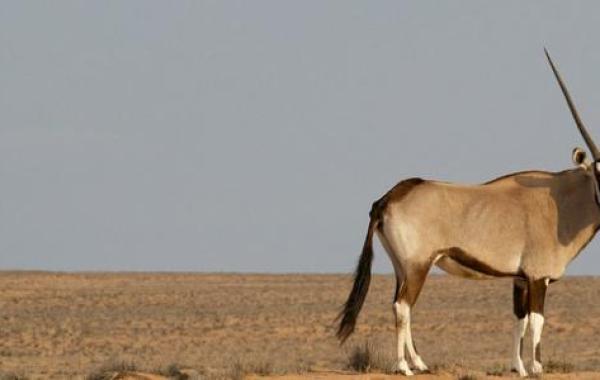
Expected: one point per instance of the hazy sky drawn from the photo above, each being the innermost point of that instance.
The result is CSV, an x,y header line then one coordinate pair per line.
x,y
254,135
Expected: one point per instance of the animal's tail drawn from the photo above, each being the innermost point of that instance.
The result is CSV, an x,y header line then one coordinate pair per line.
x,y
362,279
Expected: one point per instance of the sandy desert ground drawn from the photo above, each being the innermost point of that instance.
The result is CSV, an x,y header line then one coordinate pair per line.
x,y
61,325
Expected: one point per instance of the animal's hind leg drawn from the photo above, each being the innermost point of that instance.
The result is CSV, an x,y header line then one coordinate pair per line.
x,y
414,278
402,315
410,277
399,313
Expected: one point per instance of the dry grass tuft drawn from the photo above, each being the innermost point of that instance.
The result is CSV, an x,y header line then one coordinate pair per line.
x,y
252,365
497,370
115,366
12,376
558,366
107,370
468,376
368,358
241,367
302,367
262,366
460,372
173,371
441,367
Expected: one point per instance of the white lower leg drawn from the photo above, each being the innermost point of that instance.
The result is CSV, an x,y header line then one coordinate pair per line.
x,y
519,333
412,352
402,311
537,323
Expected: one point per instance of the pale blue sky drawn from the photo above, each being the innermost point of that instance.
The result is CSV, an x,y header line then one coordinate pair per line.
x,y
254,135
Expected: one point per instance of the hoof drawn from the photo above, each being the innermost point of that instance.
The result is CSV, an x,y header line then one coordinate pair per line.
x,y
419,365
519,368
536,368
402,367
521,372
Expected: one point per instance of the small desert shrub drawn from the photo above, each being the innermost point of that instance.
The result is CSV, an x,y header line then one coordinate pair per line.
x,y
107,370
172,371
367,358
468,376
497,370
264,367
241,368
455,367
302,367
11,376
437,368
558,366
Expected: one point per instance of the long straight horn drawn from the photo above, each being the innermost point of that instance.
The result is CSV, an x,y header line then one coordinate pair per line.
x,y
584,133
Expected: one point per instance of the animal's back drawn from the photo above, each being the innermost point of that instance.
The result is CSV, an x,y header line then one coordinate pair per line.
x,y
511,223
488,221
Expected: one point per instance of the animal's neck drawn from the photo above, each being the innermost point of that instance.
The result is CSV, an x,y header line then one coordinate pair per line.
x,y
578,206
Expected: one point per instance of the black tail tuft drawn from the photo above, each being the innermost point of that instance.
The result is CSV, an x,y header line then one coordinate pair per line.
x,y
362,279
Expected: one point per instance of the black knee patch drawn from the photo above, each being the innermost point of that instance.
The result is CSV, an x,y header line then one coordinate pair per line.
x,y
520,301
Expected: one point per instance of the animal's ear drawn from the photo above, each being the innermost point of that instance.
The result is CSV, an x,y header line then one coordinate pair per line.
x,y
578,156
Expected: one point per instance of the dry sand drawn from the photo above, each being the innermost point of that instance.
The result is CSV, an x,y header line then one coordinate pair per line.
x,y
445,376
55,325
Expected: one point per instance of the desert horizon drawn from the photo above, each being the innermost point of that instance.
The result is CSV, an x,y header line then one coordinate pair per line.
x,y
219,326
189,187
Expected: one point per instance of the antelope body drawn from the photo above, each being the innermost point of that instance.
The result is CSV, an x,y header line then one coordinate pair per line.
x,y
526,225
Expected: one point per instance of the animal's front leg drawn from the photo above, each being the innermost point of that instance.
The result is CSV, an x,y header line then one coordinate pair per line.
x,y
537,324
537,295
519,333
521,310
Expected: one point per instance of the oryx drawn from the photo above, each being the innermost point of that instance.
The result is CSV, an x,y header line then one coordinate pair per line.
x,y
527,225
